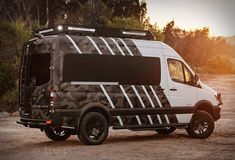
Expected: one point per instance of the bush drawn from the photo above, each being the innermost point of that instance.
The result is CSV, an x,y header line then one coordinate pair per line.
x,y
219,64
8,75
9,101
12,36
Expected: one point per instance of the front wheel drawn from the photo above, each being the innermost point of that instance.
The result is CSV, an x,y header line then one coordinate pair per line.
x,y
166,130
201,125
57,134
93,128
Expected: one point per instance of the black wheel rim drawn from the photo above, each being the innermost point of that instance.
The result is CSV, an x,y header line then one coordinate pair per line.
x,y
168,128
200,126
58,132
95,129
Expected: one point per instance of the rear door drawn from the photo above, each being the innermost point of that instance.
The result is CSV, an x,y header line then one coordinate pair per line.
x,y
34,79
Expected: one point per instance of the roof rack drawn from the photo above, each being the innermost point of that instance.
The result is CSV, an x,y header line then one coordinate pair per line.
x,y
96,31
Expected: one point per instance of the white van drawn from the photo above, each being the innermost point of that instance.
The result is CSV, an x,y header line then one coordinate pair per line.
x,y
82,80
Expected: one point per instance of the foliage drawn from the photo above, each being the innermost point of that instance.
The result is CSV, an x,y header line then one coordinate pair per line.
x,y
159,36
92,13
9,100
126,23
130,8
12,36
219,64
197,48
8,77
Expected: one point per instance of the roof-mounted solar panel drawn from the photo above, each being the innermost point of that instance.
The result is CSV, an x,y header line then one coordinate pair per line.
x,y
96,31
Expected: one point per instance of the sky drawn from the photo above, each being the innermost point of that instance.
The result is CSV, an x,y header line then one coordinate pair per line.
x,y
218,15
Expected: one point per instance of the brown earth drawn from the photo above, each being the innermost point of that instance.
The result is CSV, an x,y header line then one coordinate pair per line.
x,y
18,142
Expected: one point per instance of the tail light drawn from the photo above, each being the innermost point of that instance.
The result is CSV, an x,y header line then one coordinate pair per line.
x,y
49,121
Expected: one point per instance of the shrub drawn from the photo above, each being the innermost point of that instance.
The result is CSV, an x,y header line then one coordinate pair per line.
x,y
219,64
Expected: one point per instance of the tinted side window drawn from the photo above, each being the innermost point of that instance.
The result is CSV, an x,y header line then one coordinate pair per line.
x,y
90,68
139,70
188,76
40,68
127,70
176,70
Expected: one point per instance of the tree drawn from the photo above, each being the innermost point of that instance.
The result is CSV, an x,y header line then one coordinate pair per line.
x,y
158,34
130,8
168,32
12,36
92,13
126,23
198,49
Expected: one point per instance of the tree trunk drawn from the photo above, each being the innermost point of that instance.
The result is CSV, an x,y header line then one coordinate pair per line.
x,y
47,13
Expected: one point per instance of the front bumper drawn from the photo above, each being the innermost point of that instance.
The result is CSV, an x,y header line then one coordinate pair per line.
x,y
216,112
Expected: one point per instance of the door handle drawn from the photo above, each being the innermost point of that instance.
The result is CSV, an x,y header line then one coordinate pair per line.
x,y
173,89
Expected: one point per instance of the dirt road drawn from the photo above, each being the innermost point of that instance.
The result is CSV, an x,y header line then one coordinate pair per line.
x,y
20,143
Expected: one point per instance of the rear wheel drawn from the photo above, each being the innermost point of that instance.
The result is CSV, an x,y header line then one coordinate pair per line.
x,y
201,125
93,128
57,134
166,130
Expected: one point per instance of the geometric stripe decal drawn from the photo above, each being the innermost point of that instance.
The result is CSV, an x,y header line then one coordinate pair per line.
x,y
165,103
142,103
101,86
152,104
155,95
119,96
121,87
133,87
105,92
170,117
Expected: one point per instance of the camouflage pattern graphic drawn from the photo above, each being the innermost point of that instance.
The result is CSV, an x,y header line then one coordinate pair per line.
x,y
132,47
40,102
77,96
39,97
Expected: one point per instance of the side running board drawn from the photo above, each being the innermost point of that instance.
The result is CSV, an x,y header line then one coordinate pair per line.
x,y
151,127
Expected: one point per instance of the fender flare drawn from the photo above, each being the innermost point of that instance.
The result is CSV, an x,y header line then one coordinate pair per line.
x,y
202,102
94,105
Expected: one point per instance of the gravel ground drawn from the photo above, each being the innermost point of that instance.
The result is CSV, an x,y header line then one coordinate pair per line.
x,y
18,142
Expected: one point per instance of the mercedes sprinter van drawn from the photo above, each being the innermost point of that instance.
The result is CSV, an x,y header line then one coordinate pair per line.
x,y
77,80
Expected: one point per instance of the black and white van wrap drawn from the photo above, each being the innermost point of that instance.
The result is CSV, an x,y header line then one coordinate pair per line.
x,y
67,96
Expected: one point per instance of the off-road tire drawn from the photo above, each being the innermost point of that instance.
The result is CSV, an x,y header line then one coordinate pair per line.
x,y
57,134
201,125
93,128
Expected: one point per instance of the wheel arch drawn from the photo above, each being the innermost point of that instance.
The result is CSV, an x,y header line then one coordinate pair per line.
x,y
204,105
95,107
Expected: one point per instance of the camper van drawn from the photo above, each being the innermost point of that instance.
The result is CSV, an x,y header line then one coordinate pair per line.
x,y
79,80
